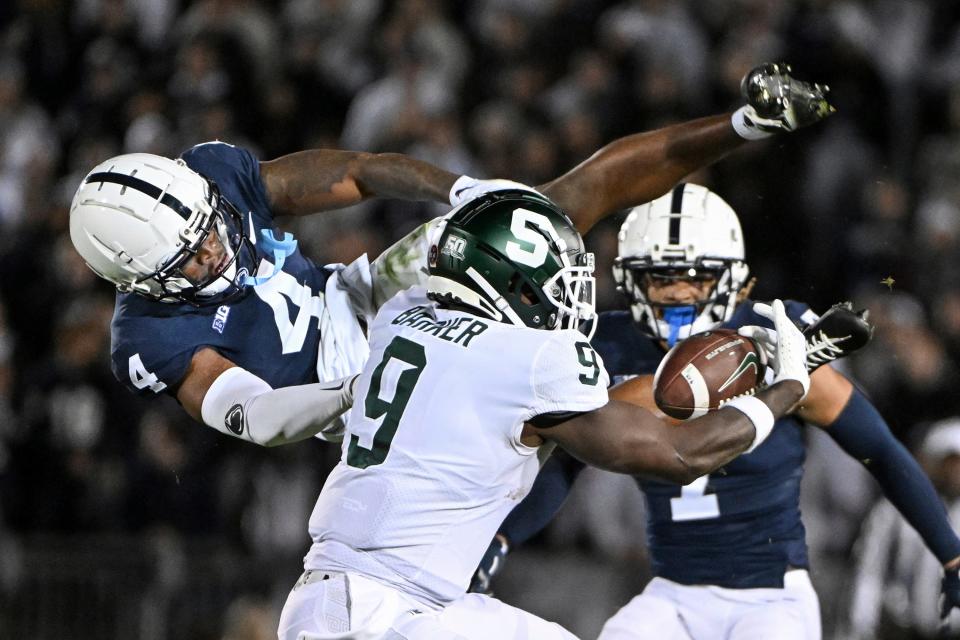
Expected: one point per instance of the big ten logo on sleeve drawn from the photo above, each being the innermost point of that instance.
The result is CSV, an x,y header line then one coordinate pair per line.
x,y
460,331
220,319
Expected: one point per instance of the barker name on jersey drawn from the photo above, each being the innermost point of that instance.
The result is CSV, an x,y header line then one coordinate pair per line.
x,y
456,330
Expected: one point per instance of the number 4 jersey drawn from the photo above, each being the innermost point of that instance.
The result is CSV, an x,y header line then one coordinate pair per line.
x,y
273,332
432,460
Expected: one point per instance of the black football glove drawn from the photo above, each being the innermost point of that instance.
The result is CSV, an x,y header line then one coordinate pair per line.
x,y
838,333
949,592
490,565
778,102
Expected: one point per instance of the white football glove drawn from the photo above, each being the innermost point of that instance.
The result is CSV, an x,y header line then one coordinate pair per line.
x,y
467,188
785,345
778,102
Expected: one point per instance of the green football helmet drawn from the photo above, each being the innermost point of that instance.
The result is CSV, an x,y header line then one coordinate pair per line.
x,y
515,257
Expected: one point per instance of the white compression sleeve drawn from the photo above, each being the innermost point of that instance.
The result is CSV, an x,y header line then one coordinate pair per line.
x,y
243,405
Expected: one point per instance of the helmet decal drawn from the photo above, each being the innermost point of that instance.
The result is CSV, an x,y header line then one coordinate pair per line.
x,y
518,226
676,207
143,186
454,247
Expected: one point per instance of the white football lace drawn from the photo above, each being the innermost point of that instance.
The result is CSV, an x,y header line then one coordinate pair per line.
x,y
822,349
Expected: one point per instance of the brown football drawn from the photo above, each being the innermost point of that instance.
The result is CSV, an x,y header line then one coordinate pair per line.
x,y
706,370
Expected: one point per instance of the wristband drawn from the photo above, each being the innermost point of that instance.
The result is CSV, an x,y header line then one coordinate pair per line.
x,y
758,413
739,120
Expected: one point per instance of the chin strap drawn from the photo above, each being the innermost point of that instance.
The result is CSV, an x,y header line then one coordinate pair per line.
x,y
280,248
678,318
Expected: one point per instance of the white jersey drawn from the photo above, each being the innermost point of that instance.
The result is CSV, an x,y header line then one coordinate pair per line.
x,y
432,460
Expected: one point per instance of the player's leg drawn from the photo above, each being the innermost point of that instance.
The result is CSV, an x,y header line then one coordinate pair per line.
x,y
652,614
798,585
331,606
793,615
480,617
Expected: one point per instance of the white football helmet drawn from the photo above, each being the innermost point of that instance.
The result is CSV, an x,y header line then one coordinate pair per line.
x,y
689,233
137,218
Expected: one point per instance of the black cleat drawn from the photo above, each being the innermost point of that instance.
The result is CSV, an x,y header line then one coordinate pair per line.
x,y
838,333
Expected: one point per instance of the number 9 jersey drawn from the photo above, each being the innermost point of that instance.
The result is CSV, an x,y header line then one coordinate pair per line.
x,y
432,460
274,331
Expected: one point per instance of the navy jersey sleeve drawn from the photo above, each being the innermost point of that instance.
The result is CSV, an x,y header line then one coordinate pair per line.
x,y
151,354
236,172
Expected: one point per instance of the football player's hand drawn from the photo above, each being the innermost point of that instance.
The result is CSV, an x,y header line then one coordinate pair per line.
x,y
949,592
490,565
778,102
766,339
467,188
788,358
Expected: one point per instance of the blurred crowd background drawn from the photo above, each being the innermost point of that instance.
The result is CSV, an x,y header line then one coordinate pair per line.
x,y
121,518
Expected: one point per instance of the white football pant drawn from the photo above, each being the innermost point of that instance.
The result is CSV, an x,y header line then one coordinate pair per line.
x,y
350,606
667,610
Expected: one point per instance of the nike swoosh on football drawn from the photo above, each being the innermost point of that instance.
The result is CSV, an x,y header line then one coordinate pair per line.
x,y
749,360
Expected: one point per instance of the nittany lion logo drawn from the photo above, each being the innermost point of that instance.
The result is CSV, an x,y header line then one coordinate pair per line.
x,y
454,247
234,420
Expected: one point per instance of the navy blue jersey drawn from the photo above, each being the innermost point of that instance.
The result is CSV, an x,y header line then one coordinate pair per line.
x,y
740,526
272,332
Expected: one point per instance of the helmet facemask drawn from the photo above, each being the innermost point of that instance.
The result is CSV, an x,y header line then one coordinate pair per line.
x,y
687,235
216,216
674,321
572,290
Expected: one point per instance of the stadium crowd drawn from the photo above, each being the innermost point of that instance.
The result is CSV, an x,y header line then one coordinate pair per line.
x,y
865,207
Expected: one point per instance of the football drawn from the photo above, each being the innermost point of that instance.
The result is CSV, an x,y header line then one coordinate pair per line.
x,y
706,370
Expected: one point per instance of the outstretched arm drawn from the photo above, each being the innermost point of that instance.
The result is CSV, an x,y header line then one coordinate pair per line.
x,y
640,167
320,179
846,414
624,438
